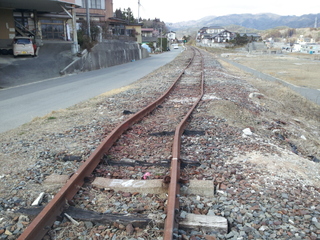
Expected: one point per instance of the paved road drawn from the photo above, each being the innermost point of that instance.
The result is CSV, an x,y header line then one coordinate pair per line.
x,y
20,104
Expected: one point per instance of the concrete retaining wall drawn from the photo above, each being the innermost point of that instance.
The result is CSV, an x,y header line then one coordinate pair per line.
x,y
106,54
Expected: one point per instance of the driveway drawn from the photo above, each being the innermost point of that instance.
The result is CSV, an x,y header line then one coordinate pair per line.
x,y
53,56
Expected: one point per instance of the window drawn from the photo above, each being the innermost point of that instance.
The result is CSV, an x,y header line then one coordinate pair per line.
x,y
23,41
96,4
84,5
52,29
92,4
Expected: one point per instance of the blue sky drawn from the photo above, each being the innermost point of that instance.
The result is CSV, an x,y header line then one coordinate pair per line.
x,y
178,10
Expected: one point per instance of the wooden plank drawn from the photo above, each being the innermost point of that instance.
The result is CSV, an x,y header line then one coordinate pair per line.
x,y
137,220
154,186
199,187
128,185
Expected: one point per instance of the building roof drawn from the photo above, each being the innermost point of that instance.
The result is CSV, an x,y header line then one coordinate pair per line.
x,y
215,27
40,5
116,20
147,29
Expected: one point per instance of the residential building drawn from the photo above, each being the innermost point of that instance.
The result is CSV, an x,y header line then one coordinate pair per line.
x,y
134,30
100,10
47,19
214,34
302,40
206,34
171,36
149,35
37,18
310,48
223,36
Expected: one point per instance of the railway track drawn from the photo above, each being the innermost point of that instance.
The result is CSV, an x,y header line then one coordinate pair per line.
x,y
123,151
241,157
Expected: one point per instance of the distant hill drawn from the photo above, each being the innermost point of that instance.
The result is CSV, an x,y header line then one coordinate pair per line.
x,y
254,21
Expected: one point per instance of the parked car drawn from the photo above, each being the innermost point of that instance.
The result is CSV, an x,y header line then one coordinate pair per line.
x,y
23,46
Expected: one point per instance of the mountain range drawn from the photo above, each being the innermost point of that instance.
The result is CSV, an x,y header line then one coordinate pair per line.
x,y
261,21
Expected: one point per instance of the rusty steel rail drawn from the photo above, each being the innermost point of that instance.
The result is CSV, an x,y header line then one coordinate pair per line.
x,y
171,222
44,220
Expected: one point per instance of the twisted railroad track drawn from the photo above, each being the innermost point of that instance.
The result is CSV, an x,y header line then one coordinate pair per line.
x,y
164,130
243,163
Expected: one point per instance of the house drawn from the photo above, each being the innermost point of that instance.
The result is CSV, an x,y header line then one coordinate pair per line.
x,y
156,38
147,32
117,27
310,48
149,35
171,36
222,37
303,40
134,30
214,34
41,19
205,32
58,20
100,10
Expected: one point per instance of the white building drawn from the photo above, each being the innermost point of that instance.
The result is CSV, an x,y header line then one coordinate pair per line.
x,y
310,48
171,36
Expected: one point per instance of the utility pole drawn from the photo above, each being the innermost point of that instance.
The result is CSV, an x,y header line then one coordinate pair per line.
x,y
74,47
161,39
88,19
138,11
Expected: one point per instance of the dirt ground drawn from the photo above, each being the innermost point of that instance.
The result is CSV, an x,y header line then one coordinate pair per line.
x,y
299,69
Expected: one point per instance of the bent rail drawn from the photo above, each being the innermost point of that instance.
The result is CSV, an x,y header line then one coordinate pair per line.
x,y
44,220
174,190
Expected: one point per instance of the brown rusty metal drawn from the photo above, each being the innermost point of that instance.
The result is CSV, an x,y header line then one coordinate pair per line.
x,y
44,220
171,221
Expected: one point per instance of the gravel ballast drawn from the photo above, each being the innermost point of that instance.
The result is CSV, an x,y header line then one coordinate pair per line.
x,y
260,146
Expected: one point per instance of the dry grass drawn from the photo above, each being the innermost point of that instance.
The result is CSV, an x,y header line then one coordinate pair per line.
x,y
302,117
297,69
280,98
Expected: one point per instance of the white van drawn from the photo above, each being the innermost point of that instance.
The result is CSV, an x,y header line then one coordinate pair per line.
x,y
23,46
175,46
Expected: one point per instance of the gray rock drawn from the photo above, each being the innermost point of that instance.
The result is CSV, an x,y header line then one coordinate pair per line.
x,y
183,214
317,224
200,206
88,224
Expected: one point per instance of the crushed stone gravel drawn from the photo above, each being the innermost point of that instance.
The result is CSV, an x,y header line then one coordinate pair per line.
x,y
260,145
